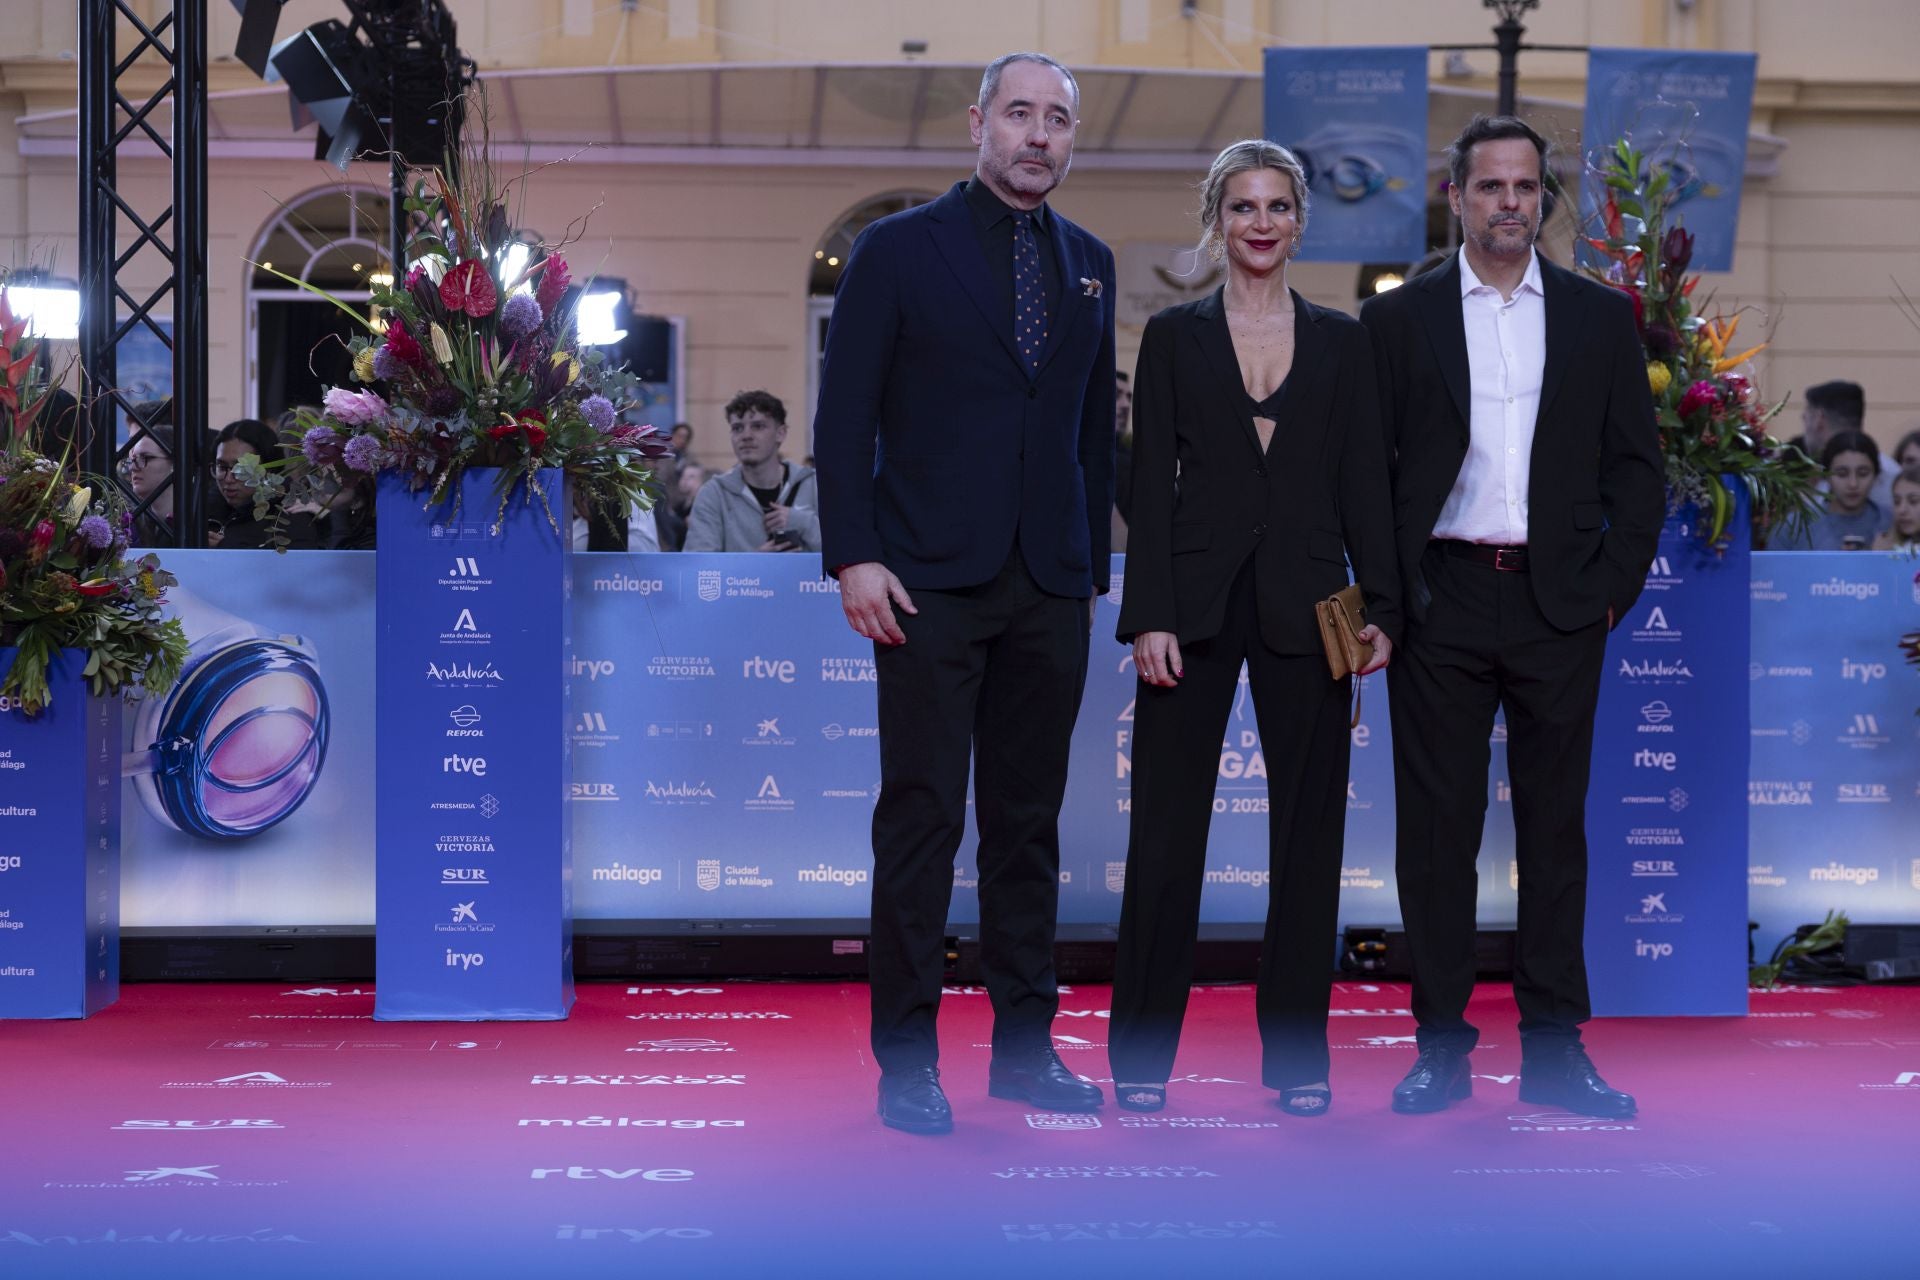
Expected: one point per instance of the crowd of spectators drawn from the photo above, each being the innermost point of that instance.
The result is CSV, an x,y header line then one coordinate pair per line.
x,y
1869,499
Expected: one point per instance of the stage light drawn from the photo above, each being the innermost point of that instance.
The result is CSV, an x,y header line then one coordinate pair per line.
x,y
514,263
323,66
1387,280
258,19
395,63
595,317
51,311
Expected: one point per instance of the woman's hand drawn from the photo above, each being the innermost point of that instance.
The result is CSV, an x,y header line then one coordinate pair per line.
x,y
1382,649
1156,656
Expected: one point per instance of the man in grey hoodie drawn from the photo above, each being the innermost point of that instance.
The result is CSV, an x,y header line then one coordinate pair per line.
x,y
763,503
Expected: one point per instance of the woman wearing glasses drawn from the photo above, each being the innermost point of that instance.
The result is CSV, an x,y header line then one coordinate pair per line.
x,y
148,471
231,522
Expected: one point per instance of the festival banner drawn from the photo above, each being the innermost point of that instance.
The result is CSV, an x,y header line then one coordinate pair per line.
x,y
1666,810
726,752
473,876
1688,111
59,848
1835,787
1356,116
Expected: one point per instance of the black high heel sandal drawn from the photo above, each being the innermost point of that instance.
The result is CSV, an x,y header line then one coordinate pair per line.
x,y
1312,1100
1140,1097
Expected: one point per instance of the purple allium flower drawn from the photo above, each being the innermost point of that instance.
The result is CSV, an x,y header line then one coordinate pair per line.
x,y
520,317
321,445
598,411
387,365
443,402
97,532
355,408
363,453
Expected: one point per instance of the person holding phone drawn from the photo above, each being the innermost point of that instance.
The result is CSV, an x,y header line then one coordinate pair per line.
x,y
764,503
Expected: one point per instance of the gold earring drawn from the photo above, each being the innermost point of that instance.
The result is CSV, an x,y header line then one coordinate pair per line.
x,y
1216,249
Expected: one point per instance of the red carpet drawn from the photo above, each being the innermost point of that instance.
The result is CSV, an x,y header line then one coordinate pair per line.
x,y
729,1129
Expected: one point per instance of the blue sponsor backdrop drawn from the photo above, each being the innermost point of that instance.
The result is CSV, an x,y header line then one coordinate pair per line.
x,y
1356,116
1688,112
723,730
1834,791
1666,811
473,917
59,849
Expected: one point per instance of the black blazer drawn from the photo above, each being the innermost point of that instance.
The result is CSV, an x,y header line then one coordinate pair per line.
x,y
933,445
1596,493
1205,497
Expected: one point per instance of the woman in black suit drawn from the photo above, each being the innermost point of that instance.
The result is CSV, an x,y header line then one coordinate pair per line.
x,y
1259,471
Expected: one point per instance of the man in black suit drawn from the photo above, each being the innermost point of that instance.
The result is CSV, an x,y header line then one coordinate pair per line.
x,y
965,448
1528,500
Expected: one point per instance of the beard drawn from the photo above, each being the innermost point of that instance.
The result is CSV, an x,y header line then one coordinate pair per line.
x,y
1006,171
1490,239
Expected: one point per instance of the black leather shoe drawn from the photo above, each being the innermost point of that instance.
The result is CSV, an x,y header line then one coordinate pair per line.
x,y
1040,1078
913,1102
1563,1076
1440,1077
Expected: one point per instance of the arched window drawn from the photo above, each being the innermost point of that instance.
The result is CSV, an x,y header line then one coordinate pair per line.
x,y
823,277
334,239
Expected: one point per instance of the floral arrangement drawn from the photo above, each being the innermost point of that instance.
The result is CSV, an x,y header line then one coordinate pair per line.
x,y
65,580
1712,418
469,361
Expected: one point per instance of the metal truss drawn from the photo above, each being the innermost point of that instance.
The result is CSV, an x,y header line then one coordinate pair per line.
x,y
108,309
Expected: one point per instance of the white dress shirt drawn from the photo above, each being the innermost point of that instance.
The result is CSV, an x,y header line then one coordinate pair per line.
x,y
643,534
1506,354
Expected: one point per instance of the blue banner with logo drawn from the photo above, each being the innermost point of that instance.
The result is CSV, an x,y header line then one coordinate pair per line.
x,y
725,756
1666,805
473,915
1688,112
1835,788
1356,116
59,848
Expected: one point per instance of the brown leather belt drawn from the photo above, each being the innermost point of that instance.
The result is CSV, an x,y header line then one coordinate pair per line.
x,y
1505,559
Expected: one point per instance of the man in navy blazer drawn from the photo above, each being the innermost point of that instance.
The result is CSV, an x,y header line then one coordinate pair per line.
x,y
964,443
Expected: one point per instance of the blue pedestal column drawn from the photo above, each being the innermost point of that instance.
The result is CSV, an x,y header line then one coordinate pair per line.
x,y
1667,807
59,849
473,912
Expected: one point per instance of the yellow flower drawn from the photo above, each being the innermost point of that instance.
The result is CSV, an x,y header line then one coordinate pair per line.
x,y
363,365
77,505
573,366
442,345
1659,377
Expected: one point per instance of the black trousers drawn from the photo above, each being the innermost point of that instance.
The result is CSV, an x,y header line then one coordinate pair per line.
x,y
1484,644
993,673
1304,737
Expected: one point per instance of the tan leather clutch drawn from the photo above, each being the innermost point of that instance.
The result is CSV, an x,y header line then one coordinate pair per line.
x,y
1342,616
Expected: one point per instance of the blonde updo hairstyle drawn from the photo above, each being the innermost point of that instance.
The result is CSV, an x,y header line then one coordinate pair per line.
x,y
1239,157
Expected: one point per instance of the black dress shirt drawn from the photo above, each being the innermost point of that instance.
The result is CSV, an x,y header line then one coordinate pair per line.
x,y
993,223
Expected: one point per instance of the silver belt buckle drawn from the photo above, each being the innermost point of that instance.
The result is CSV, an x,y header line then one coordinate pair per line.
x,y
1510,559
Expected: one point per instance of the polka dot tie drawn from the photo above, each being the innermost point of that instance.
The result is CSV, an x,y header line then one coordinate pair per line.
x,y
1029,295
